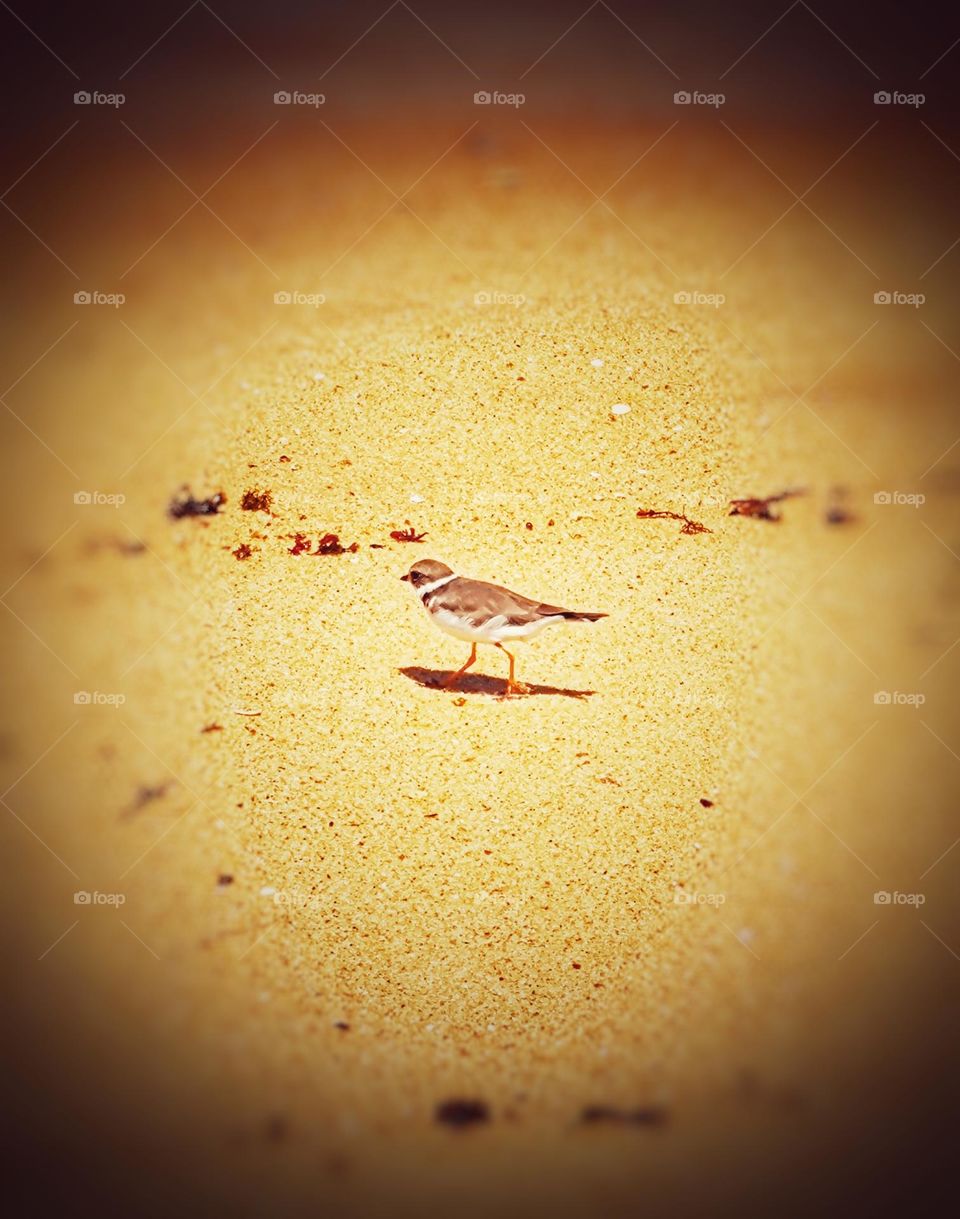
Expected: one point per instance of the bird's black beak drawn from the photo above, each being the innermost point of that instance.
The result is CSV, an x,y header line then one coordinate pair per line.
x,y
406,577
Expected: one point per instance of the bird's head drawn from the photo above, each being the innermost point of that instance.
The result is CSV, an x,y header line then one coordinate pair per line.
x,y
425,571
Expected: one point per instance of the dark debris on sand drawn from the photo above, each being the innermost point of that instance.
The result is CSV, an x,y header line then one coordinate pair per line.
x,y
257,501
187,505
759,509
329,543
407,535
651,1115
124,546
461,1114
147,793
837,512
687,527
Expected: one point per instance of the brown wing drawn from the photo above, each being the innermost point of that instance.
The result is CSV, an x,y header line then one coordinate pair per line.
x,y
546,610
477,601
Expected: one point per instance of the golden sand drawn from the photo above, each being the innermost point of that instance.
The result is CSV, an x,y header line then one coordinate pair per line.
x,y
526,901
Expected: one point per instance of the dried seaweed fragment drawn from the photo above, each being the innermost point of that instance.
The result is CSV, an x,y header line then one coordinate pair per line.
x,y
329,543
407,535
187,505
687,527
760,508
256,501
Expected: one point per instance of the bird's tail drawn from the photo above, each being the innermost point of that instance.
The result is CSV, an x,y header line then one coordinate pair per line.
x,y
578,616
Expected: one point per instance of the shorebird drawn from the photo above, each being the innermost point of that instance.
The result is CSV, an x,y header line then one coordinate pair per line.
x,y
478,612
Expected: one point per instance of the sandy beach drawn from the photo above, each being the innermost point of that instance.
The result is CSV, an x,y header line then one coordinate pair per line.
x,y
631,915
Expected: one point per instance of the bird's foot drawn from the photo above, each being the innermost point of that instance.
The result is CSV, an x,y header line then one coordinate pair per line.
x,y
518,687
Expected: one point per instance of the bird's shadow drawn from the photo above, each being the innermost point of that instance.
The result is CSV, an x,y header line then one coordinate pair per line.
x,y
479,683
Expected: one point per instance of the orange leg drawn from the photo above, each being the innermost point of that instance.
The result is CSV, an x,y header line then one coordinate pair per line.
x,y
513,686
455,677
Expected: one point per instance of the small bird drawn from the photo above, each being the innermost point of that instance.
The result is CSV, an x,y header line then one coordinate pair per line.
x,y
478,612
